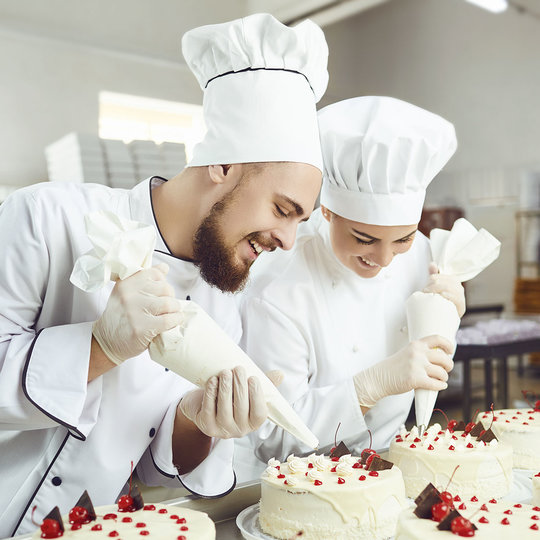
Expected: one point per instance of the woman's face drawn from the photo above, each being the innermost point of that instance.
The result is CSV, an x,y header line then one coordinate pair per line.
x,y
365,249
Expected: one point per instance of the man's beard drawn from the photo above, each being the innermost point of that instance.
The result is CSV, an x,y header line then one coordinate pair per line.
x,y
217,261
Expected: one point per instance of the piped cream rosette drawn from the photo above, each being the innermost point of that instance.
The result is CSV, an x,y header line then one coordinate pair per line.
x,y
200,349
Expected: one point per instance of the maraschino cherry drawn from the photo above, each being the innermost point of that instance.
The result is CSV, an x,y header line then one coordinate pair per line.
x,y
78,514
450,424
536,406
462,527
50,528
125,502
373,453
439,511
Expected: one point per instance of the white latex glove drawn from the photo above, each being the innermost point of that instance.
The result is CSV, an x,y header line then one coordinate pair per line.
x,y
230,405
424,363
140,307
447,286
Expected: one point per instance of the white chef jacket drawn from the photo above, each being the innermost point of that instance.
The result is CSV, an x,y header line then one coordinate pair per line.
x,y
311,317
59,434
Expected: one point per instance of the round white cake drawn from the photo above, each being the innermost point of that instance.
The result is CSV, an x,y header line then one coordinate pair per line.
x,y
495,520
156,521
520,428
317,497
478,468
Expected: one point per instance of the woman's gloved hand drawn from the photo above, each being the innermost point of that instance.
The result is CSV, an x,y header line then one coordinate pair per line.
x,y
447,286
230,405
424,363
140,307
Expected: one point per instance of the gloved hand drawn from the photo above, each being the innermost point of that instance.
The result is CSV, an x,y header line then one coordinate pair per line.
x,y
230,405
447,286
140,307
424,363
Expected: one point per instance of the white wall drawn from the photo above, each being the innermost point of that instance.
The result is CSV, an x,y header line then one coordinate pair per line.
x,y
49,88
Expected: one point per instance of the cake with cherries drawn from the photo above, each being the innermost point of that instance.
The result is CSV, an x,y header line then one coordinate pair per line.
x,y
130,518
536,489
441,515
471,455
336,496
520,428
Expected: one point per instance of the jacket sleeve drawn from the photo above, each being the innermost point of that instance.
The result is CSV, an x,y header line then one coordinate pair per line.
x,y
43,374
213,477
275,341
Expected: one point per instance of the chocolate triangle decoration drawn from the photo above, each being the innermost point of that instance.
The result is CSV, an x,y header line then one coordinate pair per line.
x,y
423,510
446,523
55,515
487,436
476,430
85,502
461,425
425,492
340,450
138,502
379,464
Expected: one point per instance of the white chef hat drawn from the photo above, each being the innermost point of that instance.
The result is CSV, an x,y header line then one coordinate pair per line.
x,y
261,81
380,154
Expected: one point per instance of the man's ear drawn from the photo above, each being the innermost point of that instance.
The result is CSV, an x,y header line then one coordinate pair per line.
x,y
219,174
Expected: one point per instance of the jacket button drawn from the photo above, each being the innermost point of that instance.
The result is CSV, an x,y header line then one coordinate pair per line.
x,y
152,432
56,481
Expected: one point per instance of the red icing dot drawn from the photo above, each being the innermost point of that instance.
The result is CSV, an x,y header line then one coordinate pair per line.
x,y
474,498
517,505
373,473
508,512
505,521
96,527
162,511
140,525
525,423
483,519
174,516
333,469
318,483
127,520
451,447
361,477
484,508
184,528
430,447
281,476
536,508
493,501
470,445
114,533
335,458
310,465
412,446
341,480
109,516
534,527
535,517
454,437
181,520
181,537
149,507
462,506
417,440
144,533
76,527
357,465
436,439
457,498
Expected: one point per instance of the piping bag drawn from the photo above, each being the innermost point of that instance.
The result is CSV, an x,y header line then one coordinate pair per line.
x,y
197,349
462,252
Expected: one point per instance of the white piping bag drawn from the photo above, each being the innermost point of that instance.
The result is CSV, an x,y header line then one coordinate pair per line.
x,y
462,252
200,349
196,350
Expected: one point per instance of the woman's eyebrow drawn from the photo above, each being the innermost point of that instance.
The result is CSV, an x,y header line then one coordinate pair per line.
x,y
406,236
365,234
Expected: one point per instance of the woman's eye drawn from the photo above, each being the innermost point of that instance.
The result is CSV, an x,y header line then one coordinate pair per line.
x,y
406,240
364,242
280,211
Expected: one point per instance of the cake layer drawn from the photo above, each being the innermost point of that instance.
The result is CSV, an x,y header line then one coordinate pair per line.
x,y
495,520
318,498
536,489
520,428
156,521
478,468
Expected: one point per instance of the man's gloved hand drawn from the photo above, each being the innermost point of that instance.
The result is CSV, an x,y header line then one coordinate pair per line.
x,y
140,307
424,363
447,286
230,405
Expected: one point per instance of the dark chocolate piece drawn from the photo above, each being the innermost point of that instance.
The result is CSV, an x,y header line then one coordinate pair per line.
x,y
340,450
86,502
55,515
487,436
379,464
423,510
135,494
476,430
425,492
461,425
446,523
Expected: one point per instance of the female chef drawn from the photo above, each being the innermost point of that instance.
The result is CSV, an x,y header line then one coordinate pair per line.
x,y
331,313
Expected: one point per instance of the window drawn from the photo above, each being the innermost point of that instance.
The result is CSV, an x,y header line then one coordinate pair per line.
x,y
126,117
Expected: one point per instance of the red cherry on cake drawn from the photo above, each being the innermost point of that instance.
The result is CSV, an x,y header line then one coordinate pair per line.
x,y
447,498
371,458
537,405
469,427
50,528
462,527
451,425
78,514
125,502
439,511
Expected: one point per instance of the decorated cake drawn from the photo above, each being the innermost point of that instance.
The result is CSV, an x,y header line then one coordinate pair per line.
x,y
536,489
336,496
485,464
439,515
129,518
519,428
